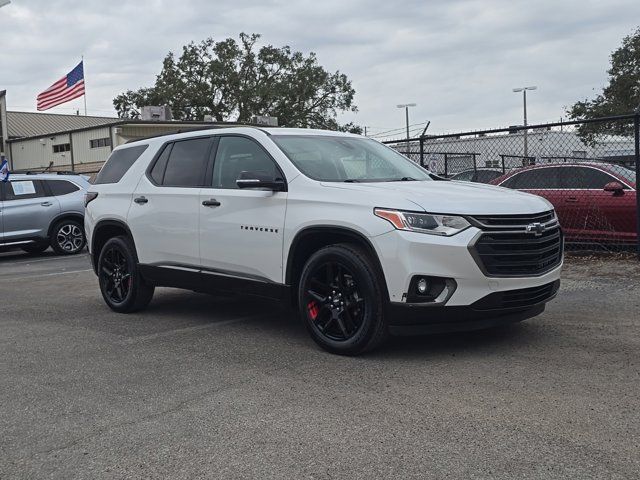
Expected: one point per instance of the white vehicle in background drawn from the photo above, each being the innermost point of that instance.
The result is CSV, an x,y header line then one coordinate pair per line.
x,y
361,240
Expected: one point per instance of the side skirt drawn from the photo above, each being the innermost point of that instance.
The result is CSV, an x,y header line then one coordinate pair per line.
x,y
206,281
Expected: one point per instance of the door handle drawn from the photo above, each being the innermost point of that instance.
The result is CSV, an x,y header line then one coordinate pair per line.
x,y
46,204
140,200
571,200
211,203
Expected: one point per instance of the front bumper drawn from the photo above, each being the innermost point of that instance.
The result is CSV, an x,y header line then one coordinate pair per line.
x,y
404,255
497,308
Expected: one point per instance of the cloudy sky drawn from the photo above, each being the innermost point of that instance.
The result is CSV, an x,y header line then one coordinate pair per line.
x,y
458,60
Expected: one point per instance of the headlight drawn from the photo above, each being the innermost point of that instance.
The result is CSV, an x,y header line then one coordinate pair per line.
x,y
434,224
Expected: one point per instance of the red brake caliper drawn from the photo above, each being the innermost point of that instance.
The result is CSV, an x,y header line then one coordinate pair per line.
x,y
312,308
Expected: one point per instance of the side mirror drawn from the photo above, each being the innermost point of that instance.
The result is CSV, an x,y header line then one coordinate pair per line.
x,y
260,180
614,187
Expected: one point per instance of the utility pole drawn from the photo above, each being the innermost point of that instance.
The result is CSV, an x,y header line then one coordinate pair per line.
x,y
406,112
524,102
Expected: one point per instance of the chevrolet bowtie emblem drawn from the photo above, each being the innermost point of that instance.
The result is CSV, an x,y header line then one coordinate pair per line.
x,y
536,228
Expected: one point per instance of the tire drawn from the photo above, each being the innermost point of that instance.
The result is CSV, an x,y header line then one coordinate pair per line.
x,y
341,300
35,249
67,237
122,287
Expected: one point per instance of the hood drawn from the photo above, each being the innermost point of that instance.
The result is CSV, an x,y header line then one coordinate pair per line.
x,y
463,198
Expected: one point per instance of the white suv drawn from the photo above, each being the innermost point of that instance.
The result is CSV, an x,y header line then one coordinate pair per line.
x,y
363,241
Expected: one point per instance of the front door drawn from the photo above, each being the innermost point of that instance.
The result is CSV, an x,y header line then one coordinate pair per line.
x,y
241,230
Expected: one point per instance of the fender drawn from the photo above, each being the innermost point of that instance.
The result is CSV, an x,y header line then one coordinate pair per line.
x,y
96,230
75,215
346,232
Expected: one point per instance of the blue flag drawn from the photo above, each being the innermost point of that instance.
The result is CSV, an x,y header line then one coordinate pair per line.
x,y
4,170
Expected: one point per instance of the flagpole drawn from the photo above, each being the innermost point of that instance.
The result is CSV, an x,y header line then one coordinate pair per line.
x,y
85,87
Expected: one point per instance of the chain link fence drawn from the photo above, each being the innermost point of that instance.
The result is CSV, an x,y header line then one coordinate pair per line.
x,y
588,170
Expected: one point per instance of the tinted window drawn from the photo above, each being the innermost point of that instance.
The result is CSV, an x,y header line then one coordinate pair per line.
x,y
485,176
585,177
157,172
464,176
187,163
236,155
118,163
538,178
23,189
61,187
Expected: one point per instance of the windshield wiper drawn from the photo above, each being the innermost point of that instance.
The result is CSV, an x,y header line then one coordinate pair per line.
x,y
404,179
351,180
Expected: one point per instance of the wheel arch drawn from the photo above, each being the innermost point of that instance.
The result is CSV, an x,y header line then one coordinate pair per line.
x,y
102,232
65,216
309,240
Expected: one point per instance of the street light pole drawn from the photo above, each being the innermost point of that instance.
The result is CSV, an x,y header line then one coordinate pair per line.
x,y
406,112
4,2
524,104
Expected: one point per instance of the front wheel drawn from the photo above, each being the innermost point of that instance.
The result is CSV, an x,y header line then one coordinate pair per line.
x,y
340,296
122,287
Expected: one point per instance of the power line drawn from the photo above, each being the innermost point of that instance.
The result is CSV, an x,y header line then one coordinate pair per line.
x,y
397,130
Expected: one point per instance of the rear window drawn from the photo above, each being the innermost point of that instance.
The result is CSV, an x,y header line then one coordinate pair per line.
x,y
118,163
61,187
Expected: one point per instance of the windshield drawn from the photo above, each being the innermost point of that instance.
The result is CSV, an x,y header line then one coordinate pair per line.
x,y
347,159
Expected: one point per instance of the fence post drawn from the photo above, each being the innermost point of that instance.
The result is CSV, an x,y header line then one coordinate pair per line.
x,y
504,170
636,129
446,161
422,151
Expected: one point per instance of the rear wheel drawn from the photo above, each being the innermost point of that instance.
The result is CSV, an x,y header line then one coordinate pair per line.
x,y
67,237
341,300
122,287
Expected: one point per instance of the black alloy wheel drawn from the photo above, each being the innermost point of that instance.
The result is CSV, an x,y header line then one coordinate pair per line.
x,y
333,301
115,273
122,287
341,299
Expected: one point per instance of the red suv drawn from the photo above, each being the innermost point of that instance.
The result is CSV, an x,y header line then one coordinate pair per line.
x,y
595,202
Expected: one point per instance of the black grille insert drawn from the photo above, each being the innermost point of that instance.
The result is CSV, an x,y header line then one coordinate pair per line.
x,y
522,298
507,249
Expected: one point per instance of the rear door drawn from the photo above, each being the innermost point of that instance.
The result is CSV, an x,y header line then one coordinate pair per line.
x,y
163,217
28,210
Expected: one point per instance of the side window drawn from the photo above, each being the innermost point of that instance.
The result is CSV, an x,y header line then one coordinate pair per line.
x,y
61,187
118,164
585,178
236,155
538,178
157,172
23,189
187,163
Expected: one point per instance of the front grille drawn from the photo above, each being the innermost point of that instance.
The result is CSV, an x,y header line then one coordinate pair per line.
x,y
521,298
506,221
507,249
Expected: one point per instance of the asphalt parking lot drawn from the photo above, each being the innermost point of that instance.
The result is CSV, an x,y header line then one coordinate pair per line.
x,y
199,386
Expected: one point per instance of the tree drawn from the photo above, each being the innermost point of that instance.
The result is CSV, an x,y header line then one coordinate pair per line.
x,y
231,81
621,96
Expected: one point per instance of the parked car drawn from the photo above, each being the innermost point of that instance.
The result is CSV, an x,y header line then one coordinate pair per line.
x,y
362,240
595,202
481,175
38,211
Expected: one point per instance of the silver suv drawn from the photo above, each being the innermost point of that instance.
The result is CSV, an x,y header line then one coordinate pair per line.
x,y
42,210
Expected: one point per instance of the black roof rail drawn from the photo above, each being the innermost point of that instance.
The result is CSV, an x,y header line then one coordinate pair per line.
x,y
61,172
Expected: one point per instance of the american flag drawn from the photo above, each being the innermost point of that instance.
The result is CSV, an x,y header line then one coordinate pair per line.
x,y
67,88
